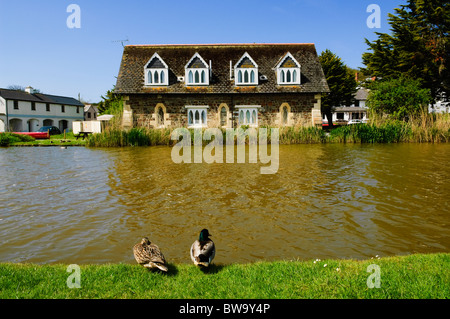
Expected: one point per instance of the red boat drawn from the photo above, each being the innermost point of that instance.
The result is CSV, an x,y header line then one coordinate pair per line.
x,y
36,135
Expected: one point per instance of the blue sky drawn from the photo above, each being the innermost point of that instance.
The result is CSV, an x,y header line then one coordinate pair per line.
x,y
38,49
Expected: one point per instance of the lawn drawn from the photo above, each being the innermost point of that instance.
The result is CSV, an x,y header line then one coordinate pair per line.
x,y
55,140
402,277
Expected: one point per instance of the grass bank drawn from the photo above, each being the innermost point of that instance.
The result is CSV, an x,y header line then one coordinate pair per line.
x,y
401,277
11,139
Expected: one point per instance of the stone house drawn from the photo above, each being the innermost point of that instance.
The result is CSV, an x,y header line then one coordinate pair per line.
x,y
221,85
27,111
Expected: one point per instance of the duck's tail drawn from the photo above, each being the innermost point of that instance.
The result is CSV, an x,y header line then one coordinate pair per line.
x,y
200,261
153,265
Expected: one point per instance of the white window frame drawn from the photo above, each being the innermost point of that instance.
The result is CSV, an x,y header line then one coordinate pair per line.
x,y
282,80
239,73
202,110
150,80
248,120
205,71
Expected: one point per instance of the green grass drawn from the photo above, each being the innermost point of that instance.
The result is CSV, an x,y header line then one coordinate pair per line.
x,y
7,139
55,140
402,277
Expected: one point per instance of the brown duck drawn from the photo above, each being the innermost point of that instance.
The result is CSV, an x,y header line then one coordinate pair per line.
x,y
149,255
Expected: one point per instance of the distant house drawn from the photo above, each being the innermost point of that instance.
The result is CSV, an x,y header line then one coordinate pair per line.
x,y
356,111
221,85
442,105
26,111
90,112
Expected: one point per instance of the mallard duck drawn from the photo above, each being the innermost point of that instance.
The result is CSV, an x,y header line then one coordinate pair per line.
x,y
203,249
149,255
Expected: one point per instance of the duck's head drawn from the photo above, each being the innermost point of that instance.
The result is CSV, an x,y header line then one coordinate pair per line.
x,y
145,241
204,234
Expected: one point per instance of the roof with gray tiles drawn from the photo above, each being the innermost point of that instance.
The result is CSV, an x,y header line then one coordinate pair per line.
x,y
135,57
38,97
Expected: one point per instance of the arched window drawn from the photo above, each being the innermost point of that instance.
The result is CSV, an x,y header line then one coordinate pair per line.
x,y
203,117
245,76
252,76
160,119
288,70
248,114
223,116
156,71
197,77
197,117
284,115
240,76
199,70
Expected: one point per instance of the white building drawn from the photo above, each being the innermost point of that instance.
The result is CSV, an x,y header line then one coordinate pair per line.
x,y
26,111
356,111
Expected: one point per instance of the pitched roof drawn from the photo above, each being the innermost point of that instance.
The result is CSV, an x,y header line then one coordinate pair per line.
x,y
266,56
38,97
362,94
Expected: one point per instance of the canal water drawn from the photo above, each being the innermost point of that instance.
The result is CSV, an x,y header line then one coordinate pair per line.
x,y
83,205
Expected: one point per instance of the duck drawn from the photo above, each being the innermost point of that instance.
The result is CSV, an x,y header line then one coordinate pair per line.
x,y
149,255
203,250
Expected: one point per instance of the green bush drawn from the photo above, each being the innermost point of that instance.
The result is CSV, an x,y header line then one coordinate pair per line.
x,y
7,139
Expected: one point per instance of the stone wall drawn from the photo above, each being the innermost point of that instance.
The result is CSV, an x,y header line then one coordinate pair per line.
x,y
142,109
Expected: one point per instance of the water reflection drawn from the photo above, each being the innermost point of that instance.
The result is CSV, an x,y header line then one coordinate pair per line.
x,y
327,201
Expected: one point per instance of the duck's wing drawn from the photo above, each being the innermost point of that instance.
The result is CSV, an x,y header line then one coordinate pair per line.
x,y
195,251
208,250
140,254
155,254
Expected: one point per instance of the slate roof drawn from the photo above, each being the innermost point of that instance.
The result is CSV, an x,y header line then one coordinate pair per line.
x,y
362,94
267,56
38,97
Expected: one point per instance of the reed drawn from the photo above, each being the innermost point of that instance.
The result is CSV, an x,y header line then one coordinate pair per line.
x,y
424,128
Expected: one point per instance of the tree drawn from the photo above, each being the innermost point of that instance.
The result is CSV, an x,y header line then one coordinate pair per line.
x,y
16,87
417,48
111,104
401,98
341,81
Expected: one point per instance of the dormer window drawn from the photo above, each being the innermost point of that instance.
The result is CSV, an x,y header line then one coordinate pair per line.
x,y
156,71
288,71
246,71
197,71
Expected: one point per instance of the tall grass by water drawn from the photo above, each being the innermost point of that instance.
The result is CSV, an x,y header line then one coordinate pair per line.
x,y
427,128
